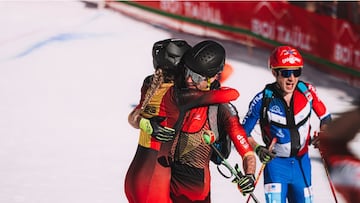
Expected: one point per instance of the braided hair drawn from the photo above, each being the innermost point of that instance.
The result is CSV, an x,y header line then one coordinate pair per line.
x,y
157,80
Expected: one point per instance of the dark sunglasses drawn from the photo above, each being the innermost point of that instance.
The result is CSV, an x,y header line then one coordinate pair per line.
x,y
287,73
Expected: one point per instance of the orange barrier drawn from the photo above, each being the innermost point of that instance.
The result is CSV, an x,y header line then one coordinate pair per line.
x,y
226,73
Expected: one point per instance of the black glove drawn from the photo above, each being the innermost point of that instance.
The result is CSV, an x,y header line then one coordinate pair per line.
x,y
152,126
264,154
246,184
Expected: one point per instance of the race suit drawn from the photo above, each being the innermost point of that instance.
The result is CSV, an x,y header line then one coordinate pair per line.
x,y
148,176
289,174
190,177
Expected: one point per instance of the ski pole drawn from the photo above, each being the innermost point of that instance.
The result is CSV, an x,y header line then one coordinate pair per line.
x,y
233,171
273,142
327,173
328,177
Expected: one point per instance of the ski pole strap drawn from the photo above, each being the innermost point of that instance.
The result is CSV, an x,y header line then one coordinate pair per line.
x,y
213,112
233,171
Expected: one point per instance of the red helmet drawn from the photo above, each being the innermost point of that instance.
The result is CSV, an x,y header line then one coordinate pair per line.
x,y
285,57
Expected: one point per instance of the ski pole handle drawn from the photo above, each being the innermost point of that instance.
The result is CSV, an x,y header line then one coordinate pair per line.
x,y
233,171
272,144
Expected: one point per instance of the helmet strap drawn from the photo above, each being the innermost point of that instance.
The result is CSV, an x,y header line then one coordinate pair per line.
x,y
208,84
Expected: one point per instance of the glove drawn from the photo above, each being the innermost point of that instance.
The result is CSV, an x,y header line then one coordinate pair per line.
x,y
315,141
246,184
264,154
152,126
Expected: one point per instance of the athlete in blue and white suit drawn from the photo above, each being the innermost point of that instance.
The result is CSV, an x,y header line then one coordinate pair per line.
x,y
283,109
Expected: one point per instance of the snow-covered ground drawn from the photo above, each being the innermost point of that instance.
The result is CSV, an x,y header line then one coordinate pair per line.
x,y
68,78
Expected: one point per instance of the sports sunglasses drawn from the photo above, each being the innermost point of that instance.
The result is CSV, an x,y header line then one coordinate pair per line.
x,y
287,73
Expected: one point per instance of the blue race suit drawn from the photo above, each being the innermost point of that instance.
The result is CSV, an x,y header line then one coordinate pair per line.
x,y
289,174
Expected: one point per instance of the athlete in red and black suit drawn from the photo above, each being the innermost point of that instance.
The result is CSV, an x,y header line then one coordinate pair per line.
x,y
148,178
190,175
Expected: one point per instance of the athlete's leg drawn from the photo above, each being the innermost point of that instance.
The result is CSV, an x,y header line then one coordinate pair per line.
x,y
275,192
276,179
184,199
139,175
300,190
190,182
159,191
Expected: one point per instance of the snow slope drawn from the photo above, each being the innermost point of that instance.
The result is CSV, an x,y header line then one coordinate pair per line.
x,y
68,77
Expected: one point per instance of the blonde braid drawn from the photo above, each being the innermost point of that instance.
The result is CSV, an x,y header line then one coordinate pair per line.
x,y
157,80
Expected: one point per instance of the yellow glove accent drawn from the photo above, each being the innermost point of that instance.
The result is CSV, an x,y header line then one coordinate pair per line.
x,y
145,126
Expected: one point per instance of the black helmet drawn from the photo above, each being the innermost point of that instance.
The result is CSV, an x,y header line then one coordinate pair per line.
x,y
167,53
206,58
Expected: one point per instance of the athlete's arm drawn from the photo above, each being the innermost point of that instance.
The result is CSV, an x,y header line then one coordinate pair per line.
x,y
249,123
253,114
228,116
188,98
322,113
319,107
134,116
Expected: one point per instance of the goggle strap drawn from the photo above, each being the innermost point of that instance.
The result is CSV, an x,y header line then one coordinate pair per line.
x,y
208,83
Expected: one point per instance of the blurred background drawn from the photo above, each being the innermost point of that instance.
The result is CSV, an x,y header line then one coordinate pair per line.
x,y
71,71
